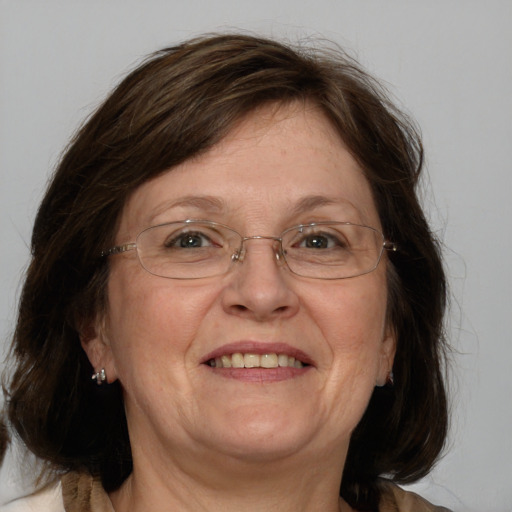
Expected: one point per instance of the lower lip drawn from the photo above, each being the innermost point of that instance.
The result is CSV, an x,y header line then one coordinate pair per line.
x,y
260,374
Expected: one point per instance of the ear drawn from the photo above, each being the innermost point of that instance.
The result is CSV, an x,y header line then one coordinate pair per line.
x,y
386,357
96,344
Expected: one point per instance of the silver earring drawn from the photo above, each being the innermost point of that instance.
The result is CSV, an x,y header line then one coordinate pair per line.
x,y
390,381
100,377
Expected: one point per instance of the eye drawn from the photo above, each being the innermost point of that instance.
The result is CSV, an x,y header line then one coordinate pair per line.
x,y
190,240
320,241
316,242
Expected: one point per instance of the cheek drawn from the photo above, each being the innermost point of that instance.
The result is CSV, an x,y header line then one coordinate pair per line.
x,y
151,324
352,318
356,338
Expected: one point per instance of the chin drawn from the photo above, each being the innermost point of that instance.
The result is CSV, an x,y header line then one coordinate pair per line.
x,y
263,437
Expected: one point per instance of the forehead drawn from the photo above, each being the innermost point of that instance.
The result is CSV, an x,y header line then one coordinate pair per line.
x,y
278,162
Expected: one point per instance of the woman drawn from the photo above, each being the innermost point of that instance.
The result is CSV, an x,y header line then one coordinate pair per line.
x,y
233,248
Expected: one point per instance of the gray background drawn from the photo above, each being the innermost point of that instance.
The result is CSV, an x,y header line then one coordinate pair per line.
x,y
448,62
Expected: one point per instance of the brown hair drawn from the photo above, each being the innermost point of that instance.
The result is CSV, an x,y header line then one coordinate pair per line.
x,y
177,104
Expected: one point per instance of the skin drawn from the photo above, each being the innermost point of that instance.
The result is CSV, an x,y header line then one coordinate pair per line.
x,y
202,441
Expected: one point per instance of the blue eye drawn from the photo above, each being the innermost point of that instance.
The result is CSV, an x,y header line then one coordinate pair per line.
x,y
315,242
320,241
189,240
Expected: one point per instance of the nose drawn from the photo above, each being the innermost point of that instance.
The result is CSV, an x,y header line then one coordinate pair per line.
x,y
259,286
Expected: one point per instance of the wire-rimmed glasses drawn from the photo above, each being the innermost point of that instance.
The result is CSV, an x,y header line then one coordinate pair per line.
x,y
195,249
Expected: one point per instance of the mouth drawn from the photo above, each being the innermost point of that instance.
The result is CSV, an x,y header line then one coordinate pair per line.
x,y
250,360
258,362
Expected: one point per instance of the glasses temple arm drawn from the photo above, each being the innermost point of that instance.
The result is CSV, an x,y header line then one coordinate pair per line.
x,y
118,249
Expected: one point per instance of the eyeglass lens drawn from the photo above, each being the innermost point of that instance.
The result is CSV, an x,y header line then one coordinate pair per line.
x,y
198,249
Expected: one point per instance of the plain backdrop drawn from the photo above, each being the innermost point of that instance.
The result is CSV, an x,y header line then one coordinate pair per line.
x,y
449,63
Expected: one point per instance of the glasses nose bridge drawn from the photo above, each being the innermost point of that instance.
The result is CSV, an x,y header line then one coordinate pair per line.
x,y
261,237
277,248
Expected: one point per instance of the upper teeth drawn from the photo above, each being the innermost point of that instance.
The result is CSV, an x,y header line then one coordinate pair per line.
x,y
239,360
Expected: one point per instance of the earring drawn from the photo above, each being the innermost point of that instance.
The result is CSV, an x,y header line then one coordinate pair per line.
x,y
100,377
390,380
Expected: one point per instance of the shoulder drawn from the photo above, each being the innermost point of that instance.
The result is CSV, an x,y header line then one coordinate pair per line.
x,y
48,499
18,492
75,492
83,493
396,499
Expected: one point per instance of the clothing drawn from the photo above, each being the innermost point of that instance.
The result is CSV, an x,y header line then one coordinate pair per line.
x,y
82,493
395,499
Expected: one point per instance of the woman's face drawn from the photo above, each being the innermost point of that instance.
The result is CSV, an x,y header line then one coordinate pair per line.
x,y
277,168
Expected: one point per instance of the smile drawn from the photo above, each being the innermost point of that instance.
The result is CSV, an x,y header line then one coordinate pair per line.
x,y
248,360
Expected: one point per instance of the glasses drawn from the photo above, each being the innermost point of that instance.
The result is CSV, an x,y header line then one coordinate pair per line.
x,y
195,249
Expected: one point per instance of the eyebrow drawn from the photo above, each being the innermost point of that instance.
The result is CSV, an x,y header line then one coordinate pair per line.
x,y
215,205
208,204
313,202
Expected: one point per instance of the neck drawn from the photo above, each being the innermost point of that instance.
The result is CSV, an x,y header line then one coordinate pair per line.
x,y
293,484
